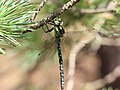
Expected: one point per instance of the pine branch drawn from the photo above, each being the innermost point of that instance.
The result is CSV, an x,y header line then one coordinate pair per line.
x,y
50,17
14,15
38,10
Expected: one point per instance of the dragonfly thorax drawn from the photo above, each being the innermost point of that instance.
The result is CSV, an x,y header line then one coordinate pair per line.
x,y
59,31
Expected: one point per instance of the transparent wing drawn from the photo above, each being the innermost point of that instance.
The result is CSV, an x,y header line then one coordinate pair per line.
x,y
72,37
49,46
48,51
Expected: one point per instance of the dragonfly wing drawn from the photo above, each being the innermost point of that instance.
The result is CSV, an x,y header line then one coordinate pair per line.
x,y
48,51
75,36
49,46
72,37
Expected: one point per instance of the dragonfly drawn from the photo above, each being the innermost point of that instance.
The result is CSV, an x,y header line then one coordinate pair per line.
x,y
58,33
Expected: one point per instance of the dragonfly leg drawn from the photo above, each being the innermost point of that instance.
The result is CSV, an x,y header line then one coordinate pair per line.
x,y
44,29
51,23
48,30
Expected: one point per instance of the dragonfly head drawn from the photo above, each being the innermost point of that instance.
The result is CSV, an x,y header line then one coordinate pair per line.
x,y
58,21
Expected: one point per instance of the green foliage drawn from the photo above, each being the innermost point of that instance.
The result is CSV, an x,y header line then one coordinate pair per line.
x,y
14,15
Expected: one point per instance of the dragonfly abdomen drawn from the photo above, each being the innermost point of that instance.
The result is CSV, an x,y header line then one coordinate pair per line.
x,y
60,63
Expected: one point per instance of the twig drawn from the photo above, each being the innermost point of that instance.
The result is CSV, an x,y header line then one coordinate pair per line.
x,y
72,59
38,10
109,78
55,14
94,11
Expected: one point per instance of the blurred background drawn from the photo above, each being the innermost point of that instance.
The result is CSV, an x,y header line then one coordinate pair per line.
x,y
90,48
